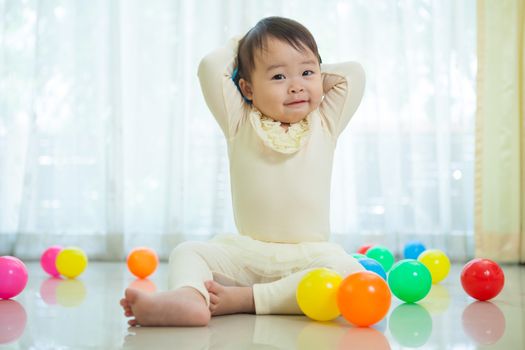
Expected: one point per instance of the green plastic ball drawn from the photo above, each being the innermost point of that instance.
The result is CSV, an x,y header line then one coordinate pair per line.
x,y
411,325
410,280
382,255
358,256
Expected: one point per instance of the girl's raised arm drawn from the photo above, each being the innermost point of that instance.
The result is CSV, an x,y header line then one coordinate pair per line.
x,y
221,94
343,86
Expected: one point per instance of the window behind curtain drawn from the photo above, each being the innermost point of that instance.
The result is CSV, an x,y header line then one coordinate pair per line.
x,y
106,142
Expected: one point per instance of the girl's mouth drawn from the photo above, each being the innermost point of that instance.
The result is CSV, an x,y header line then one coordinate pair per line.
x,y
295,103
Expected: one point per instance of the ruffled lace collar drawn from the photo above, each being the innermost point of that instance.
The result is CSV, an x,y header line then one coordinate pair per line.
x,y
276,137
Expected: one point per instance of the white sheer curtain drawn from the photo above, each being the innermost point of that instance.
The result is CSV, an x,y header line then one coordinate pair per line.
x,y
106,142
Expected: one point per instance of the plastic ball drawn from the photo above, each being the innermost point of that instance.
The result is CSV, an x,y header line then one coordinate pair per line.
x,y
316,294
48,290
71,262
437,263
409,280
437,300
13,320
372,265
363,298
364,248
13,277
482,279
143,284
70,293
483,322
142,261
382,255
48,260
358,256
413,249
360,338
311,335
411,325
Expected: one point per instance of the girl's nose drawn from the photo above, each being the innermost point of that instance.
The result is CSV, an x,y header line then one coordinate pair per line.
x,y
294,89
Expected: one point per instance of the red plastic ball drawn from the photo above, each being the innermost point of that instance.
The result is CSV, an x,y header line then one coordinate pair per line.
x,y
363,298
483,322
364,248
482,279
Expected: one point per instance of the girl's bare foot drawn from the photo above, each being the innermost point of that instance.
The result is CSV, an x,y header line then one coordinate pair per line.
x,y
229,300
182,307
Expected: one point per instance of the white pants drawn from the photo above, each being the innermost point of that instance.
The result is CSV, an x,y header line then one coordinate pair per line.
x,y
273,269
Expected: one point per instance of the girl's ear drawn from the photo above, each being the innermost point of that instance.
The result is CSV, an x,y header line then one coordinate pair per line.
x,y
246,89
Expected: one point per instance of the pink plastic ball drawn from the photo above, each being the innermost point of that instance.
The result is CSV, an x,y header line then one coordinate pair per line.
x,y
48,290
13,277
13,319
48,260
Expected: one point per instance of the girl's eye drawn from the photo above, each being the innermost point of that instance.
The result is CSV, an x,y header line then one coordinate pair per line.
x,y
278,77
307,72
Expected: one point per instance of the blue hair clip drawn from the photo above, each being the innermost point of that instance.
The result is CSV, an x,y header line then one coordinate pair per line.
x,y
235,74
235,79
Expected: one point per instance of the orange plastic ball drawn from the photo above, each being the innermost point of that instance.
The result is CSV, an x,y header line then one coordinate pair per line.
x,y
142,262
363,298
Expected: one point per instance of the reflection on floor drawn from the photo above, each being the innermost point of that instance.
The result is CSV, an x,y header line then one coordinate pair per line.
x,y
84,313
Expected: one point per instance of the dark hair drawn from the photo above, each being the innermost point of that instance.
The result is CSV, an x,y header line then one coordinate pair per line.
x,y
280,28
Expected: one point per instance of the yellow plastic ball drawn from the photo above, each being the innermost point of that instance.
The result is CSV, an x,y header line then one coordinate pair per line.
x,y
71,262
70,293
317,294
437,263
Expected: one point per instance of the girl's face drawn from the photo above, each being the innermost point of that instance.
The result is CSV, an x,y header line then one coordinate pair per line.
x,y
286,84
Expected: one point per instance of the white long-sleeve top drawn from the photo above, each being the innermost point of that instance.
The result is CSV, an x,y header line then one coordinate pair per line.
x,y
280,195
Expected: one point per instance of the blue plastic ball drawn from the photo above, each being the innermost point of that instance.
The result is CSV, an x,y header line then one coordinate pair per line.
x,y
413,249
372,265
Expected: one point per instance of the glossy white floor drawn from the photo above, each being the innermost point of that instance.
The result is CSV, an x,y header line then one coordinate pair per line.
x,y
84,313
